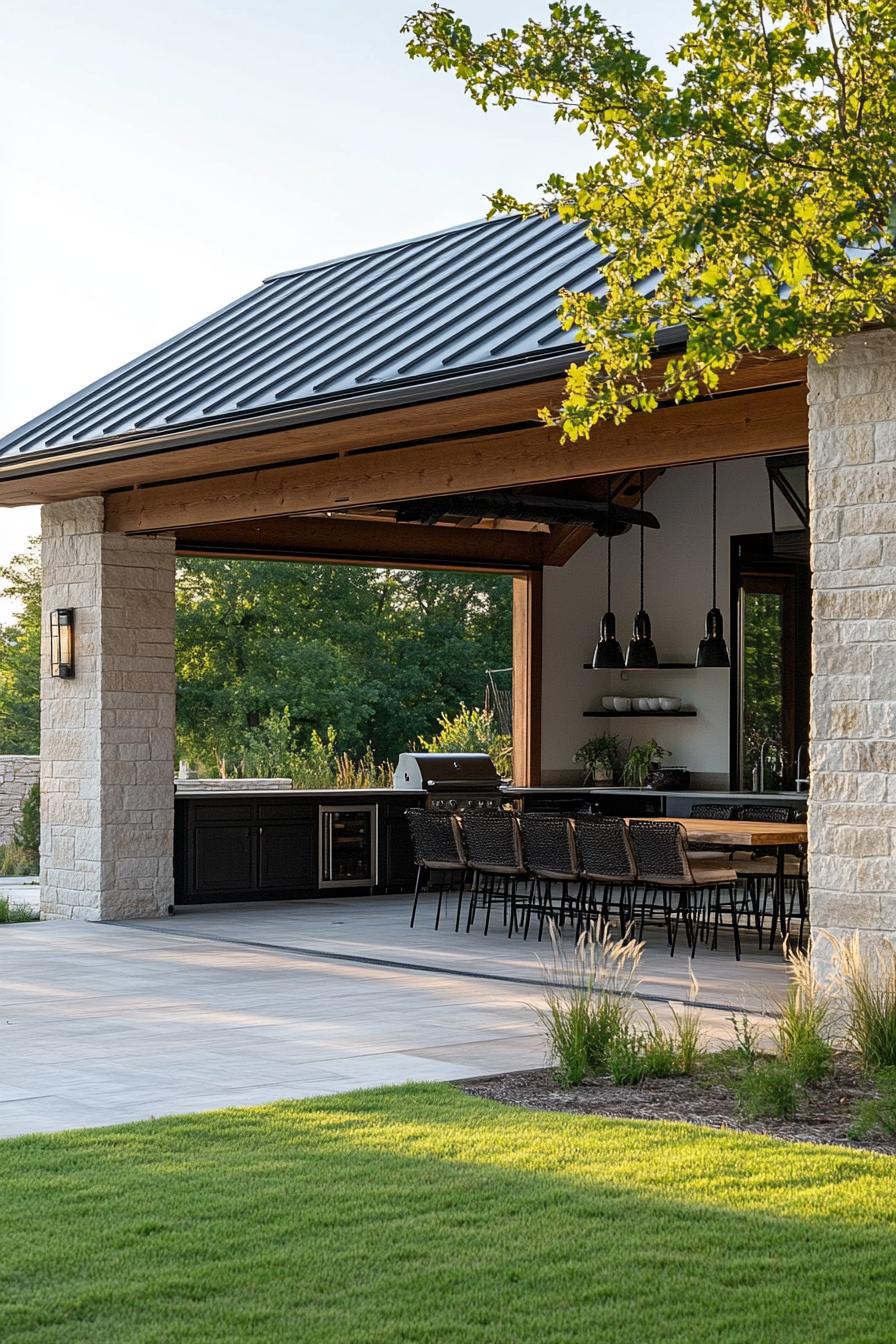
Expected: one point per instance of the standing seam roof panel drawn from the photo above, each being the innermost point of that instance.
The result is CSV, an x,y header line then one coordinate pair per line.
x,y
455,303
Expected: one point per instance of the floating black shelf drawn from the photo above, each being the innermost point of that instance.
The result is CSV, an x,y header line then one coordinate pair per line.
x,y
639,714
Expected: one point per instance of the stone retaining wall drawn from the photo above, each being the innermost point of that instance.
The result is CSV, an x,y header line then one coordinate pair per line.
x,y
852,493
17,775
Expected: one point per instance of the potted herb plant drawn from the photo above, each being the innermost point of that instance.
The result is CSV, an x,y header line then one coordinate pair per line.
x,y
599,758
640,761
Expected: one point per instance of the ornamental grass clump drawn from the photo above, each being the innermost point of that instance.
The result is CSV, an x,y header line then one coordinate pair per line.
x,y
687,1031
805,1025
589,1004
867,977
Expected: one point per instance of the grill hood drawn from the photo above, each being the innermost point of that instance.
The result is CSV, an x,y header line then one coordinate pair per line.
x,y
437,771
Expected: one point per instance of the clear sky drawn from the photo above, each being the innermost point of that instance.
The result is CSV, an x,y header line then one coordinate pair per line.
x,y
158,159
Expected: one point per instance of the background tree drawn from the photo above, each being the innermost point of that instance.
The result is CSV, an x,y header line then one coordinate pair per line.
x,y
20,657
752,183
377,655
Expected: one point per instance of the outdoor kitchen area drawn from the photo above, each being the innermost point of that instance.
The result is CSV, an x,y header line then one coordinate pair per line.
x,y
668,629
703,715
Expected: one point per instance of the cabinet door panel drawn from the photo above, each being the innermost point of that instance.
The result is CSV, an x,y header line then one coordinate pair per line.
x,y
286,856
399,869
222,859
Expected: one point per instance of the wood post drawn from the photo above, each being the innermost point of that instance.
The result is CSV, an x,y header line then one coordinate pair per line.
x,y
527,602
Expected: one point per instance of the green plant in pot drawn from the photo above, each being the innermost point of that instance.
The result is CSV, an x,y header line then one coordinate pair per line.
x,y
640,761
599,758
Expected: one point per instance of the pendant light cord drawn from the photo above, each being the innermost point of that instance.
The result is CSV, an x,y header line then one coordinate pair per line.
x,y
641,494
609,549
714,547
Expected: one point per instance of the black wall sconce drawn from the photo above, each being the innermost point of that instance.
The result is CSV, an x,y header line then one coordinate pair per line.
x,y
62,643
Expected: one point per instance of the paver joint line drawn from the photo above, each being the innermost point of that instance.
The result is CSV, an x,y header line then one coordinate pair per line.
x,y
387,964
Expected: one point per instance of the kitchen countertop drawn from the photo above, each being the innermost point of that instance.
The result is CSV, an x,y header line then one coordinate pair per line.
x,y
235,794
740,795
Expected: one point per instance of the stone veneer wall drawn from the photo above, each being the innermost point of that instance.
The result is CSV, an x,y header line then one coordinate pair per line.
x,y
17,774
852,491
107,735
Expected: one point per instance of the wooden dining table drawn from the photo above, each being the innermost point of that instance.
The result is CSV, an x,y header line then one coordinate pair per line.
x,y
776,835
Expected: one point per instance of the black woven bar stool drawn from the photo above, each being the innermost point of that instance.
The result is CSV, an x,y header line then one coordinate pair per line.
x,y
437,849
549,853
493,849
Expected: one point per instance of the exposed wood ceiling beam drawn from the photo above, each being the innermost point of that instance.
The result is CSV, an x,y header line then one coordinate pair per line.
x,y
749,424
360,541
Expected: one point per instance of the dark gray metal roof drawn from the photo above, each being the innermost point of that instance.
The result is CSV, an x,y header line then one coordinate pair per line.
x,y
470,306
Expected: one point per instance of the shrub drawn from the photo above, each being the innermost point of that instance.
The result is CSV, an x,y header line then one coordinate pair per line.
x,y
589,1001
659,1052
746,1039
273,750
473,730
804,1026
627,1060
27,831
17,862
766,1089
15,914
868,979
877,1115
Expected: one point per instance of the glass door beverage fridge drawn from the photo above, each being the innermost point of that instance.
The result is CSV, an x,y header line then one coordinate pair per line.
x,y
348,845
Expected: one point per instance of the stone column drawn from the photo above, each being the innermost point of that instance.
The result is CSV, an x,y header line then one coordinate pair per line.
x,y
852,492
107,735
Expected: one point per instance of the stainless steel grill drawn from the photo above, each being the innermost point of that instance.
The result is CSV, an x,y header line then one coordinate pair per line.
x,y
453,781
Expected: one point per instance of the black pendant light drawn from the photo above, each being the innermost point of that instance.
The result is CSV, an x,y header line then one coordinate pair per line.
x,y
712,650
608,651
641,649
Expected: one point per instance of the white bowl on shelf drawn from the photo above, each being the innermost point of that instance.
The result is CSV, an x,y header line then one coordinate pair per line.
x,y
622,703
670,703
607,701
641,703
653,702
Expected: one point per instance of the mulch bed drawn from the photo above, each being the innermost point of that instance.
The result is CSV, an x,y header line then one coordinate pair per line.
x,y
825,1112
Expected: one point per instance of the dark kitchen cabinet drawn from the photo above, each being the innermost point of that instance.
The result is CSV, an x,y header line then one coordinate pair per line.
x,y
397,870
222,859
237,849
286,855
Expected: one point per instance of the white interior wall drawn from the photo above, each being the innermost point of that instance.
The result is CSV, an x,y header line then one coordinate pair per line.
x,y
678,593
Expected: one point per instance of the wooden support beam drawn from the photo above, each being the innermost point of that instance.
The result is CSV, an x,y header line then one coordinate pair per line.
x,y
527,626
736,426
364,541
565,540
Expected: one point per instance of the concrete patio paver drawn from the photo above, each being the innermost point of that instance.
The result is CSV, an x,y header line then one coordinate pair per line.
x,y
101,1024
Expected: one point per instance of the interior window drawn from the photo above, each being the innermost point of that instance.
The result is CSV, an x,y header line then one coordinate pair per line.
x,y
762,676
770,686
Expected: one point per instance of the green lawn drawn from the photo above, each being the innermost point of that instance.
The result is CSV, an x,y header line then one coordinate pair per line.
x,y
420,1214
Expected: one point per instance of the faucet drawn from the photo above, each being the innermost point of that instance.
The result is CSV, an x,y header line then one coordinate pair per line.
x,y
767,742
802,779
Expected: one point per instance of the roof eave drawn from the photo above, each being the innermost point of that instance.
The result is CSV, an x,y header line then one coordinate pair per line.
x,y
491,377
